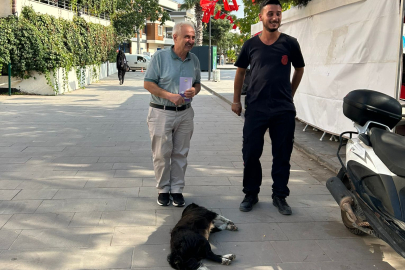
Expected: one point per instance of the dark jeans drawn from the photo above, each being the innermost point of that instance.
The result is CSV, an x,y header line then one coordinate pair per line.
x,y
121,75
281,128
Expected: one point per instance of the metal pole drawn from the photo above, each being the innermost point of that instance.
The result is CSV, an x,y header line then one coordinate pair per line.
x,y
209,53
9,79
401,49
138,41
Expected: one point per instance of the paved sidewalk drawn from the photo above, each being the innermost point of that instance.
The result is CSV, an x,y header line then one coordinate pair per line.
x,y
77,190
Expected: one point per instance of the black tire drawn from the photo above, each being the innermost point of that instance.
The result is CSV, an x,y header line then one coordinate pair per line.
x,y
349,226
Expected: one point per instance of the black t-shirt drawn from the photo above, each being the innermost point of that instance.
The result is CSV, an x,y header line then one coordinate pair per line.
x,y
270,86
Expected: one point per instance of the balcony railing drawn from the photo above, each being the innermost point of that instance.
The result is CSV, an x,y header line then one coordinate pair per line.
x,y
66,4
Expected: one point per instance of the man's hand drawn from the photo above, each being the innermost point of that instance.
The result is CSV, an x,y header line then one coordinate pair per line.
x,y
176,99
237,108
189,93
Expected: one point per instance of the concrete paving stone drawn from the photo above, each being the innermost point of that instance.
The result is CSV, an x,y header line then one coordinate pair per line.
x,y
311,201
35,194
7,237
128,218
18,167
115,183
213,202
12,149
147,203
63,238
98,148
149,182
325,213
198,158
133,166
81,205
75,160
192,191
9,184
52,184
96,193
106,175
361,265
36,149
207,181
168,217
145,172
315,231
252,232
150,256
108,159
19,207
300,251
217,164
140,235
58,174
82,167
36,221
85,219
366,248
265,212
212,171
73,258
18,160
4,219
8,194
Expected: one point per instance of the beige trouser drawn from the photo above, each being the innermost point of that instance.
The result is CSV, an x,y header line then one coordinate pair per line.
x,y
170,133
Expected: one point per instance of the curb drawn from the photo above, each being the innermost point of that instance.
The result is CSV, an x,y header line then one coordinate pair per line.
x,y
297,145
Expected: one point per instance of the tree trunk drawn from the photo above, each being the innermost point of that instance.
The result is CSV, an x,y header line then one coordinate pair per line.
x,y
199,30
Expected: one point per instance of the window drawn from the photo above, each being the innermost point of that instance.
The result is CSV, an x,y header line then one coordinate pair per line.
x,y
160,30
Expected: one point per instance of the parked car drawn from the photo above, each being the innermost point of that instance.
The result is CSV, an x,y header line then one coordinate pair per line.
x,y
137,61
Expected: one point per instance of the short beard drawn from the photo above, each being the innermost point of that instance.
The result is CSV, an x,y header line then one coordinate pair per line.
x,y
270,30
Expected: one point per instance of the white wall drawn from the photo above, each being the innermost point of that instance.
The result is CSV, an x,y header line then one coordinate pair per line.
x,y
39,85
6,8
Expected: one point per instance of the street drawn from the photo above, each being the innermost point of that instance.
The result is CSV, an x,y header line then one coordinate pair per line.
x,y
77,189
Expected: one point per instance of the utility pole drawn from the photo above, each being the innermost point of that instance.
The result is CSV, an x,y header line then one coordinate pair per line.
x,y
209,52
138,41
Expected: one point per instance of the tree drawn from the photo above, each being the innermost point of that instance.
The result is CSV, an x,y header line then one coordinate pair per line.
x,y
130,15
252,11
189,4
220,34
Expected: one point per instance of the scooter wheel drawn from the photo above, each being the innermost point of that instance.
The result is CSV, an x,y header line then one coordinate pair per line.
x,y
349,226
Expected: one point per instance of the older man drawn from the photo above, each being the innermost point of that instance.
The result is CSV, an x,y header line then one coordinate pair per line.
x,y
170,117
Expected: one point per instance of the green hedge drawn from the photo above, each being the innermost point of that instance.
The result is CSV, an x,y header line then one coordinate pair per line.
x,y
44,43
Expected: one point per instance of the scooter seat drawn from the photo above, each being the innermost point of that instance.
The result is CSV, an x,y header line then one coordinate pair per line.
x,y
390,148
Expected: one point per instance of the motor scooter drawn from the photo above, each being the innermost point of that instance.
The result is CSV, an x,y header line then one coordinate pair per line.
x,y
370,187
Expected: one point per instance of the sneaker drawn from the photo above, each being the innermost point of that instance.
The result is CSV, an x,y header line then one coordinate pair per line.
x,y
163,199
248,202
178,199
282,205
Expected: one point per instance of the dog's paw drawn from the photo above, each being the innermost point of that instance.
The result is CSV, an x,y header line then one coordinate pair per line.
x,y
229,256
225,261
231,227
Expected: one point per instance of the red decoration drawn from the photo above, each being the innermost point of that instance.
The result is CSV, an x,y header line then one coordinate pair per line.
x,y
223,16
226,5
230,18
234,26
217,15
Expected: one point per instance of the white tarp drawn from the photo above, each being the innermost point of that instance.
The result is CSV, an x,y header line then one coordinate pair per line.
x,y
354,45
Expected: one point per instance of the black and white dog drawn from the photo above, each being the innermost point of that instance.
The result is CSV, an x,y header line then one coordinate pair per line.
x,y
189,239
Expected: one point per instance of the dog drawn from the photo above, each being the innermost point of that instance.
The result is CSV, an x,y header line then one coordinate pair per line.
x,y
189,239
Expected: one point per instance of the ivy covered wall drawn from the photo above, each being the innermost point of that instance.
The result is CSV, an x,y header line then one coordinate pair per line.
x,y
43,43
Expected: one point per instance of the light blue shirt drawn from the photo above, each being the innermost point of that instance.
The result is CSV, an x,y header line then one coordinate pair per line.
x,y
165,70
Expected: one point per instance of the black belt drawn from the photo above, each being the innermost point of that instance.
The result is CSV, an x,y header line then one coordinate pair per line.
x,y
170,108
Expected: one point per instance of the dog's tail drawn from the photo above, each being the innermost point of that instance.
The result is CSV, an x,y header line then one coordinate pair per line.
x,y
176,262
